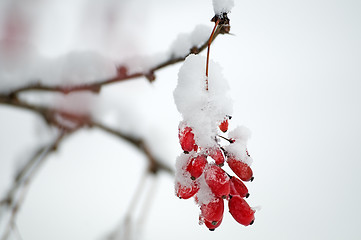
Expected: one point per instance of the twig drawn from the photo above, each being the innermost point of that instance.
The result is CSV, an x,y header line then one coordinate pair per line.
x,y
50,116
22,182
147,203
154,164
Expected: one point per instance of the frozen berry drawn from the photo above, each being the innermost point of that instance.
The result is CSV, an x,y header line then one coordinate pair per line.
x,y
217,180
238,188
224,125
186,192
213,211
241,211
241,169
186,139
212,225
217,154
196,166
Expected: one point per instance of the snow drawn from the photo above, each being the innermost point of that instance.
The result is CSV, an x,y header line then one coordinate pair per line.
x,y
200,35
238,149
29,67
185,41
181,45
240,133
24,65
202,110
204,194
179,48
183,177
222,6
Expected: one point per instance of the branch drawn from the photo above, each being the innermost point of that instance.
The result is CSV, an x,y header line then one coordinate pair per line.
x,y
57,118
154,164
122,74
16,194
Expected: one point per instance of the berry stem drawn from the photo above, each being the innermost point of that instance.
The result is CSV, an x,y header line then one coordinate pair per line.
x,y
228,139
208,49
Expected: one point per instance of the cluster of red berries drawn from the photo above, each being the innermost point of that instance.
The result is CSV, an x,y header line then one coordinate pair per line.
x,y
200,175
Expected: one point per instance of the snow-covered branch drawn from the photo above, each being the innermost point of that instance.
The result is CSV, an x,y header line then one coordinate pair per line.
x,y
122,72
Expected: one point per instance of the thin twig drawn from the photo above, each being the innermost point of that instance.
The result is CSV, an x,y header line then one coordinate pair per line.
x,y
22,182
154,164
147,203
124,229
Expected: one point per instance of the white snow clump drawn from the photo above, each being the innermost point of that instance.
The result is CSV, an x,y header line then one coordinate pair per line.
x,y
241,134
185,41
202,109
222,6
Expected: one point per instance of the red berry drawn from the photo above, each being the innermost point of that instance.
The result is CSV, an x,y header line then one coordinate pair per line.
x,y
212,225
241,169
186,192
186,139
196,166
217,180
217,155
241,211
213,211
224,125
238,188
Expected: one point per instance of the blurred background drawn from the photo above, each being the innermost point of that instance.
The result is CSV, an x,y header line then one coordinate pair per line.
x,y
294,72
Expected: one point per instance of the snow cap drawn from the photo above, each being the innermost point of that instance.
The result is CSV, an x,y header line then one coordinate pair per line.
x,y
222,6
202,109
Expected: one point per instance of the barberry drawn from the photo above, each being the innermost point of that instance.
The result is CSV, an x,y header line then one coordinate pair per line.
x,y
213,211
217,155
186,192
224,125
212,225
241,169
238,188
241,211
204,106
217,180
196,166
186,139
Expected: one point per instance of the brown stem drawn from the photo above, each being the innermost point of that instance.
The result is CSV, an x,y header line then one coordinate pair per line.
x,y
208,49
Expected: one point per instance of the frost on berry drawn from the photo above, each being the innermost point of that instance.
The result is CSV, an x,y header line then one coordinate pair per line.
x,y
241,169
186,192
205,194
183,182
196,166
241,211
217,154
186,138
217,180
213,211
238,188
